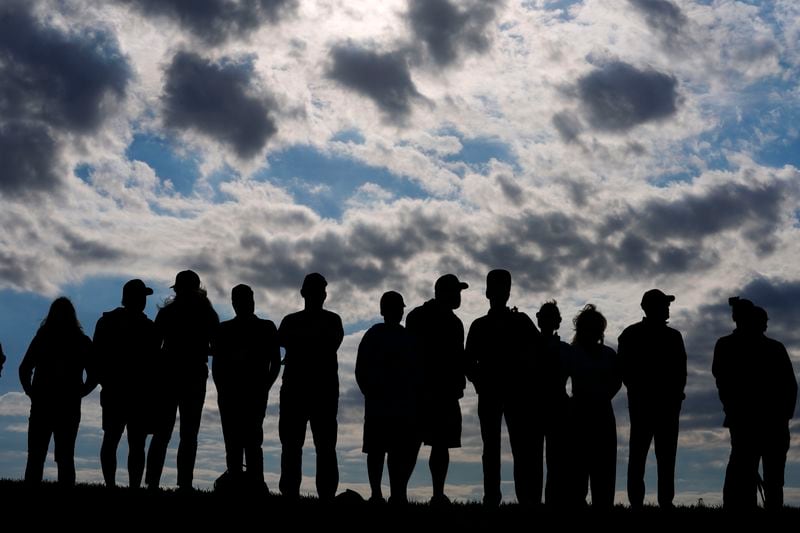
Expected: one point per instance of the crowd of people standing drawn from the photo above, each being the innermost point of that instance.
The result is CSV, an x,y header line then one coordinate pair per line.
x,y
555,396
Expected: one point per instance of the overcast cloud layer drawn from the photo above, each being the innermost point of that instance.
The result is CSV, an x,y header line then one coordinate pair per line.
x,y
596,149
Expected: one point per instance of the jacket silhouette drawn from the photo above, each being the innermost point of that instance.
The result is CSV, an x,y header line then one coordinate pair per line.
x,y
247,361
52,375
389,374
186,326
310,390
653,360
501,346
758,390
126,352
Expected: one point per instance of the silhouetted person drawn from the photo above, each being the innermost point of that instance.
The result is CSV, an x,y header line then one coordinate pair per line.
x,y
653,360
389,375
52,375
596,378
247,361
553,412
310,389
758,389
126,349
186,325
440,337
2,359
500,349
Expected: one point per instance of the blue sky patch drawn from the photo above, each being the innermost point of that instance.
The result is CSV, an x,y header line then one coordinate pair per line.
x,y
324,182
161,155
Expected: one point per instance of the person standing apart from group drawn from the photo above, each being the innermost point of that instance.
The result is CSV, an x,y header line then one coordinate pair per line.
x,y
653,359
758,390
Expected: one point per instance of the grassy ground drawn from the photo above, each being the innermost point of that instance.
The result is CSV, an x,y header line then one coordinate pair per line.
x,y
93,507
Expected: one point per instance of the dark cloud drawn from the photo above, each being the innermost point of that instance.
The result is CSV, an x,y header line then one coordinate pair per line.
x,y
568,126
618,96
662,15
79,249
511,190
216,21
51,83
383,77
448,30
30,158
220,100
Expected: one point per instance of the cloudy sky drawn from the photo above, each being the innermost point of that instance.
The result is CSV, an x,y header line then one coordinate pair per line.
x,y
595,148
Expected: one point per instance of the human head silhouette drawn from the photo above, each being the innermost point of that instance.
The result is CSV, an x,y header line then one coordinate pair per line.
x,y
313,291
760,319
741,312
134,295
655,305
242,300
186,282
392,306
548,317
498,287
447,291
590,326
62,315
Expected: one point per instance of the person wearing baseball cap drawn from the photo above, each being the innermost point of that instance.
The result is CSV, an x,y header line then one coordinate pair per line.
x,y
501,347
389,375
126,349
653,358
310,390
439,334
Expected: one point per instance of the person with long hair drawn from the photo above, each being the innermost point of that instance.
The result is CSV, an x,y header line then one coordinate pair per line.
x,y
596,378
186,324
54,375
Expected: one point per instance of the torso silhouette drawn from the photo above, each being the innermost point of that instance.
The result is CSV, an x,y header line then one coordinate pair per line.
x,y
755,379
388,371
653,359
246,358
551,370
57,359
501,346
187,326
596,374
311,339
125,344
440,337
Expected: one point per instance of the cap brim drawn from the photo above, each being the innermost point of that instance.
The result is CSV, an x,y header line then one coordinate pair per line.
x,y
669,298
463,285
148,291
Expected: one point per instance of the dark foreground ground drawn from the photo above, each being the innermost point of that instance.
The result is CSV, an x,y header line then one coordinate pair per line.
x,y
95,508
